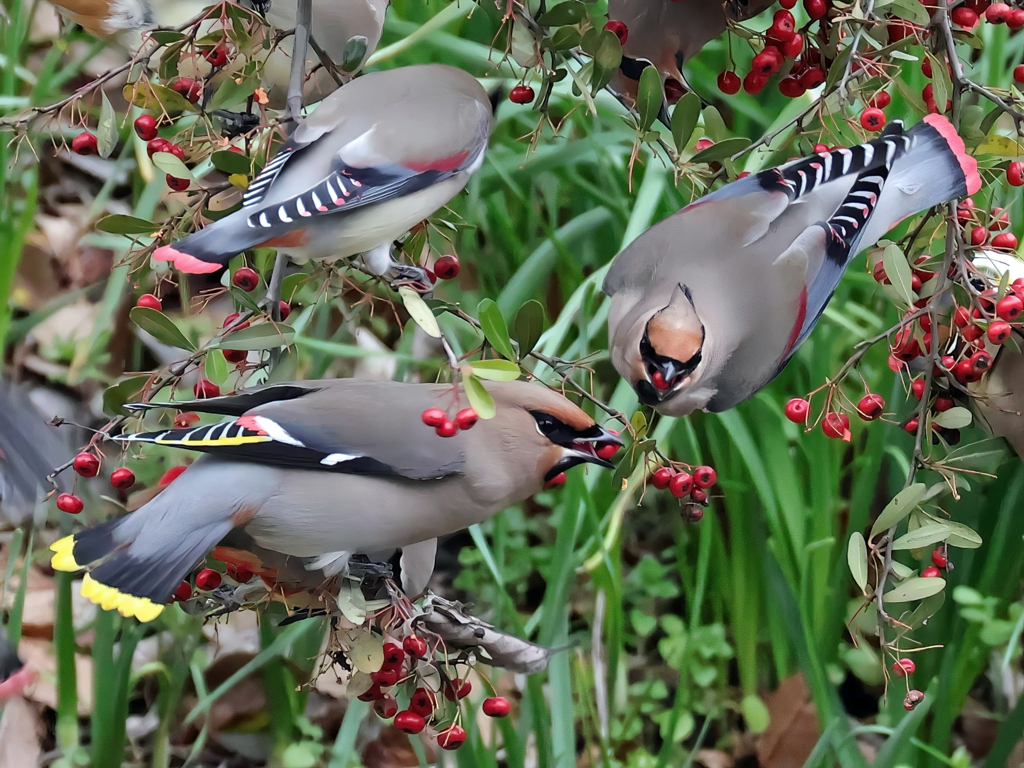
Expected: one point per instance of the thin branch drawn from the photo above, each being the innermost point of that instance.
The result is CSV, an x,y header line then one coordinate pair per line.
x,y
300,47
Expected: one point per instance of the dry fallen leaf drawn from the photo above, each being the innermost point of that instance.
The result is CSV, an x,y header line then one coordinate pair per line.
x,y
39,655
20,732
793,730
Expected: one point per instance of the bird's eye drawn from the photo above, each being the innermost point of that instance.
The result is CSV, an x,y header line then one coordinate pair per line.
x,y
546,424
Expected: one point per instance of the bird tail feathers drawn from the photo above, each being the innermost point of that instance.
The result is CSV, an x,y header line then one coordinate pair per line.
x,y
213,246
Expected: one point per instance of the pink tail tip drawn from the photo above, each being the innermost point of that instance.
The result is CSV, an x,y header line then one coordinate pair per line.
x,y
190,264
967,163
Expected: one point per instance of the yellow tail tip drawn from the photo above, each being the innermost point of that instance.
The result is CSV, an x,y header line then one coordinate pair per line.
x,y
64,557
108,598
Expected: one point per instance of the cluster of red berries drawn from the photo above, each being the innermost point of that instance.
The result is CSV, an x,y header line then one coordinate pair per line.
x,y
682,484
87,465
836,424
424,704
971,13
445,427
905,668
979,224
207,580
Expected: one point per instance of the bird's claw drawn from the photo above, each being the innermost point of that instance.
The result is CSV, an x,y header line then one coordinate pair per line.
x,y
365,568
404,275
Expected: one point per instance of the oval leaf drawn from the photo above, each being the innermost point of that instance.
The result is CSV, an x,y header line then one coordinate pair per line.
x,y
106,131
367,653
231,162
495,370
355,52
494,328
570,12
898,271
170,164
528,325
479,398
160,327
720,151
684,120
926,535
954,418
961,536
917,588
755,713
900,506
257,337
649,97
119,224
857,558
124,391
901,571
420,312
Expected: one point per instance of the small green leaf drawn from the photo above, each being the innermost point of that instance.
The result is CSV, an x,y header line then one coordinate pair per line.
x,y
166,36
901,505
494,328
755,713
900,571
606,60
119,224
569,12
233,91
898,271
124,391
925,610
367,653
954,418
639,424
495,370
160,327
926,535
911,10
154,98
684,120
420,312
355,52
857,558
479,398
258,337
714,125
563,39
170,164
917,588
528,326
650,97
106,131
231,162
216,368
721,150
962,536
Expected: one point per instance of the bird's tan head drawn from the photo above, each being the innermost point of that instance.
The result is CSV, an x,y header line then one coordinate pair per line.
x,y
665,355
562,434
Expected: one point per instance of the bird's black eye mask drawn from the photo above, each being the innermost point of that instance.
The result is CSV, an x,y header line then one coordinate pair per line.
x,y
583,443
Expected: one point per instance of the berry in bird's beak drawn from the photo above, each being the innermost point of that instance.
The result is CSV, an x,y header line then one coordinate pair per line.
x,y
182,593
556,482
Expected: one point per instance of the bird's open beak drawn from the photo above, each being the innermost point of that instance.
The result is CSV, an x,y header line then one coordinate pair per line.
x,y
583,450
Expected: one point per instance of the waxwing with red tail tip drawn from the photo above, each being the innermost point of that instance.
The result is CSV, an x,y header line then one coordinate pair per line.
x,y
334,25
708,305
314,472
373,159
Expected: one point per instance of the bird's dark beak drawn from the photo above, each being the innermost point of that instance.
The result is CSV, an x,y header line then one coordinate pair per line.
x,y
583,449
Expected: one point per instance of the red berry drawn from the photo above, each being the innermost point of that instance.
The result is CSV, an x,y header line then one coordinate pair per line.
x,y
451,737
415,646
979,235
939,559
962,317
880,100
171,475
394,656
178,185
175,150
422,702
911,426
964,17
232,318
998,332
145,127
753,83
618,29
694,514
433,417
234,356
698,495
783,26
793,47
284,309
556,482
385,707
466,418
205,388
1000,219
904,667
674,90
943,404
822,149
812,78
385,677
246,279
1018,73
870,407
797,410
729,83
70,504
207,580
791,88
409,722
149,301
447,428
122,478
835,424
788,4
1009,308
931,572
662,477
1015,173
187,87
767,62
1015,21
997,13
373,694
447,267
87,464
680,485
457,689
607,451
85,144
980,361
1006,240
240,575
497,706
926,68
157,145
704,477
182,593
913,698
521,94
898,29
816,9
218,56
872,119
879,274
917,387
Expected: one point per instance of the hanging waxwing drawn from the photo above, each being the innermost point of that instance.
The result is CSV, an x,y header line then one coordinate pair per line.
x,y
667,33
322,471
373,159
708,305
335,23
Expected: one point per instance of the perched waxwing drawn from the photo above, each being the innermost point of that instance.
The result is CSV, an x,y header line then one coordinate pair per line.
x,y
708,305
667,33
373,159
998,399
317,472
334,24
